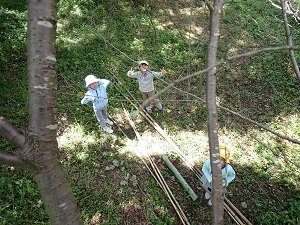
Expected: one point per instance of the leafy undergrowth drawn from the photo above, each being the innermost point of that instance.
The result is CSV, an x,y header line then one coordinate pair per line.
x,y
110,174
114,176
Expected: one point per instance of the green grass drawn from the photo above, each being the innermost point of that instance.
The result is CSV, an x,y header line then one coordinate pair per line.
x,y
262,87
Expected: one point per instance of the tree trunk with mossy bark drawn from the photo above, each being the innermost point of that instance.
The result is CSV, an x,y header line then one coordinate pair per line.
x,y
37,152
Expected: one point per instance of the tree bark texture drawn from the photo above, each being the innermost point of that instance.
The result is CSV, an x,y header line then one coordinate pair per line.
x,y
38,151
217,192
51,179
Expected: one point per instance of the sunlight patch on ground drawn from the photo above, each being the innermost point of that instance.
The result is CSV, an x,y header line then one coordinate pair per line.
x,y
76,11
137,44
171,12
190,11
74,135
149,144
232,51
290,124
165,24
248,157
193,145
67,40
194,32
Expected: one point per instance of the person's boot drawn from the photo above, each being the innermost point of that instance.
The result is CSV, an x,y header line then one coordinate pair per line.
x,y
149,110
107,129
109,122
207,195
159,106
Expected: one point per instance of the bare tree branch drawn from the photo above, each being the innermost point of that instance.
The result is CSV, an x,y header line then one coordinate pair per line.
x,y
13,160
289,38
285,47
261,126
211,8
234,113
229,58
289,9
10,133
172,85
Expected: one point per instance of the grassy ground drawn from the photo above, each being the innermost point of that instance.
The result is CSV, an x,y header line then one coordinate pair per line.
x,y
109,173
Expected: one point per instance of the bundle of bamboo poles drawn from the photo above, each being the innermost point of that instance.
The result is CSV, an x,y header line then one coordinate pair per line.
x,y
235,214
158,176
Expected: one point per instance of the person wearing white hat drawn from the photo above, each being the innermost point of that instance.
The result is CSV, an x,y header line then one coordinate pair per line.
x,y
228,173
97,95
145,80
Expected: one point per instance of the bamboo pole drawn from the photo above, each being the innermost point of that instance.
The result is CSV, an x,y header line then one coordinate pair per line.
x,y
233,215
179,177
159,178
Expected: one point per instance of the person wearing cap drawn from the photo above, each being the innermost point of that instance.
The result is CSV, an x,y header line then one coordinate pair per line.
x,y
228,173
145,80
97,95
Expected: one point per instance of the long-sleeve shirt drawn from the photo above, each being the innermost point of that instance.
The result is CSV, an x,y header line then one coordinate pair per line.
x,y
98,97
228,173
146,80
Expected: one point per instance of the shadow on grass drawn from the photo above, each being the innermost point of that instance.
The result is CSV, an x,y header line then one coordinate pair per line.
x,y
129,192
115,187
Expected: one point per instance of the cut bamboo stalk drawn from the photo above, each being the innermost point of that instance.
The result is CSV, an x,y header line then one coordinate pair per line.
x,y
179,177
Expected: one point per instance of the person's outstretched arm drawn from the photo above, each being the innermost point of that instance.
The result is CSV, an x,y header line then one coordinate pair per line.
x,y
87,98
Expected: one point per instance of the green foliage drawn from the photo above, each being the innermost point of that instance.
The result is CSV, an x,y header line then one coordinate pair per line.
x,y
12,38
13,62
107,38
20,200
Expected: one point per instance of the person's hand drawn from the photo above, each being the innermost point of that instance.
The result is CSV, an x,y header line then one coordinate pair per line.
x,y
163,71
129,72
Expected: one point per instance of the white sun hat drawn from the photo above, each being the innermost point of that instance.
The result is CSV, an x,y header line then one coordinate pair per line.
x,y
90,79
143,62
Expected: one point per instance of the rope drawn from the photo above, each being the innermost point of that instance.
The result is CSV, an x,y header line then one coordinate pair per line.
x,y
158,78
117,49
172,85
157,127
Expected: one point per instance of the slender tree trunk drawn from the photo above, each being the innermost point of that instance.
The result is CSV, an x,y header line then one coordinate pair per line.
x,y
38,152
217,193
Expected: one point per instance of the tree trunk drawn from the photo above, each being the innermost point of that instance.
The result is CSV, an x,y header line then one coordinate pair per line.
x,y
38,152
217,193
